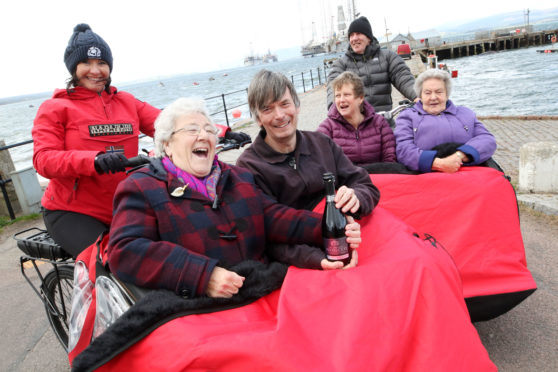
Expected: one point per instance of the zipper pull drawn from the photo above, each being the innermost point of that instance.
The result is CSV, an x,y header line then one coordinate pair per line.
x,y
292,162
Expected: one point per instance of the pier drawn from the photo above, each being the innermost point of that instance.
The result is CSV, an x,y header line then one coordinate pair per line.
x,y
494,43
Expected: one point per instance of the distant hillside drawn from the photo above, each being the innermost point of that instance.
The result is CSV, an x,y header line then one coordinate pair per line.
x,y
25,97
501,20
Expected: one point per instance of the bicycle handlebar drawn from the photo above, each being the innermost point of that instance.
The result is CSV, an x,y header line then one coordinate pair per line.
x,y
231,144
136,161
391,114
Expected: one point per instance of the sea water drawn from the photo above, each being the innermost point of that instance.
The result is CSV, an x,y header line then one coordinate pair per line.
x,y
514,82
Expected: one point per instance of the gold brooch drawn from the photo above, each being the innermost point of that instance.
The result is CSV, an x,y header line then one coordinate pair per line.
x,y
179,191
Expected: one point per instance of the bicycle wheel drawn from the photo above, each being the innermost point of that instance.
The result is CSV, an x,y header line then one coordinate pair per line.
x,y
58,288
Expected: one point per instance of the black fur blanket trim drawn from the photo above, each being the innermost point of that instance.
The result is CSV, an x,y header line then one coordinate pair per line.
x,y
387,168
446,149
442,150
161,306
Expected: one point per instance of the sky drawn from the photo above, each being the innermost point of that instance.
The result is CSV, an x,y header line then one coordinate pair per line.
x,y
152,39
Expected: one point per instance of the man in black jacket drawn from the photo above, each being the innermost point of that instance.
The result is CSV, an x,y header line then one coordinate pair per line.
x,y
378,68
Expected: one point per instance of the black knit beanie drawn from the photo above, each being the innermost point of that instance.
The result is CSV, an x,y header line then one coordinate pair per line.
x,y
361,25
85,44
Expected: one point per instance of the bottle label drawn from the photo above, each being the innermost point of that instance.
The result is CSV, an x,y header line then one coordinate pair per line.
x,y
336,249
330,198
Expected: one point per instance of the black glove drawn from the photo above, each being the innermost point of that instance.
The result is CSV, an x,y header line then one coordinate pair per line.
x,y
239,137
113,162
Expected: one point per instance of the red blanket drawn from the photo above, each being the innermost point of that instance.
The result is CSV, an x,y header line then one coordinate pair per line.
x,y
401,309
473,213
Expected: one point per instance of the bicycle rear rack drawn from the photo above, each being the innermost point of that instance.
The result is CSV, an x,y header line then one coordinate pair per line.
x,y
37,245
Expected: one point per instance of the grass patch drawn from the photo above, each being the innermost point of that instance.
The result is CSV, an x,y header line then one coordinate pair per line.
x,y
524,208
5,221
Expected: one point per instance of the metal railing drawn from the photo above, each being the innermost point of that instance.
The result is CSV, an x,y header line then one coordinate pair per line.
x,y
224,108
217,106
312,78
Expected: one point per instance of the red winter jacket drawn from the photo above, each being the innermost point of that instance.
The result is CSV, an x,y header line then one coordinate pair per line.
x,y
371,142
70,130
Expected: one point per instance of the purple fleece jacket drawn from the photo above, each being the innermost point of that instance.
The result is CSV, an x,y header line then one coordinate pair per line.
x,y
417,132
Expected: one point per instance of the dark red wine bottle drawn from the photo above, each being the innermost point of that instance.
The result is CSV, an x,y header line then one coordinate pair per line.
x,y
333,226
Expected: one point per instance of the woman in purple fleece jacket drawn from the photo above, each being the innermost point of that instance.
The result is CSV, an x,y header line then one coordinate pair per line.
x,y
436,122
352,123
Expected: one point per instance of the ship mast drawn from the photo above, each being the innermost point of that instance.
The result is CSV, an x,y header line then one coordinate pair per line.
x,y
352,13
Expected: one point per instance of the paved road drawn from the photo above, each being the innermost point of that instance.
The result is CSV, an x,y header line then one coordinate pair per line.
x,y
26,340
525,339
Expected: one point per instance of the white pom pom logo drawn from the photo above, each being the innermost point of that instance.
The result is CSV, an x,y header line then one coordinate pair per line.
x,y
94,52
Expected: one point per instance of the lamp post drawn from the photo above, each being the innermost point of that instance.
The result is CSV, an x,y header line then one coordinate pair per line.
x,y
387,35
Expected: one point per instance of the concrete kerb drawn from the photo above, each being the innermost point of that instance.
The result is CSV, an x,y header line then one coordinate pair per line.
x,y
538,176
544,203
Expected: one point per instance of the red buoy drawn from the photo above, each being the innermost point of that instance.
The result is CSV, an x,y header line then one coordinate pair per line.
x,y
236,113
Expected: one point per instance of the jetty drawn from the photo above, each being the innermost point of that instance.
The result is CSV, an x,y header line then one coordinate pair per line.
x,y
483,43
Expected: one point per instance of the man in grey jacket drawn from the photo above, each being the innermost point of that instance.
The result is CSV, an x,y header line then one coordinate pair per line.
x,y
378,68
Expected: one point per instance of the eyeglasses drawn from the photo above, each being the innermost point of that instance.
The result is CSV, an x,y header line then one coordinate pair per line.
x,y
195,130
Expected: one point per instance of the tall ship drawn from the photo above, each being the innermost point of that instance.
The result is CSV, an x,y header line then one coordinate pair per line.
x,y
335,39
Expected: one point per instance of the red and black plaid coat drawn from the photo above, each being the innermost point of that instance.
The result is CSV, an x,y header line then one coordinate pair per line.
x,y
161,241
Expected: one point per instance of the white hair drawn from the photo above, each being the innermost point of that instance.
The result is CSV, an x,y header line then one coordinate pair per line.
x,y
164,125
433,74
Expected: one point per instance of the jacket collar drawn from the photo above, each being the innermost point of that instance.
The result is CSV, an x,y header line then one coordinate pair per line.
x,y
266,152
369,52
82,93
450,108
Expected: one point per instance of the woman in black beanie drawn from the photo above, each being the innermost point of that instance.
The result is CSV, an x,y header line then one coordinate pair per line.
x,y
81,137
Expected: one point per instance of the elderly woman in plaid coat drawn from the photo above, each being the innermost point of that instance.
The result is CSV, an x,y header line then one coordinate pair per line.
x,y
187,217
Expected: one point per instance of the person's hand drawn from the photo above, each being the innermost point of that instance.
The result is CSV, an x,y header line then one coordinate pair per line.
x,y
463,156
354,260
449,164
352,232
224,283
112,162
331,265
346,200
336,265
239,137
416,100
